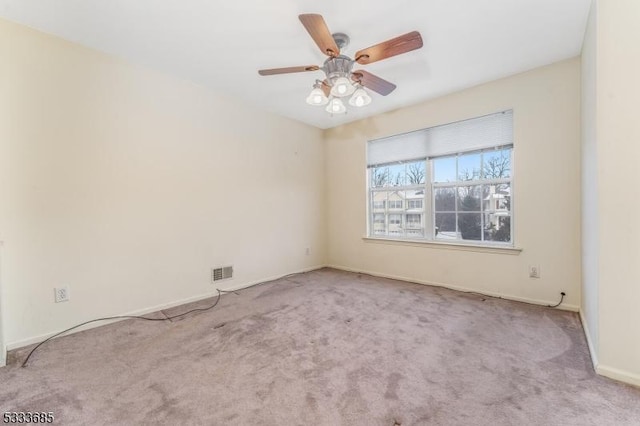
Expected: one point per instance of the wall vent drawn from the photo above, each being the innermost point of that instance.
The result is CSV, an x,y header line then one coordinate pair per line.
x,y
222,273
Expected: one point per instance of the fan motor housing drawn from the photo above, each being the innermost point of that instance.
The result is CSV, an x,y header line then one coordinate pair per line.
x,y
341,39
339,66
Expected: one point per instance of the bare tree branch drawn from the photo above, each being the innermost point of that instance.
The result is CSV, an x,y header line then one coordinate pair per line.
x,y
415,173
497,167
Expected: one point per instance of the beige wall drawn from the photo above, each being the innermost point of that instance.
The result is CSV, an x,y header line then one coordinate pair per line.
x,y
546,104
618,146
590,246
128,185
3,351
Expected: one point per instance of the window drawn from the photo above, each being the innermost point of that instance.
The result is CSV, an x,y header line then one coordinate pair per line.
x,y
379,219
379,225
472,200
403,187
395,219
414,204
446,183
414,220
395,224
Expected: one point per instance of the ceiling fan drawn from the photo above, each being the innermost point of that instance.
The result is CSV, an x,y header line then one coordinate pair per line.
x,y
341,81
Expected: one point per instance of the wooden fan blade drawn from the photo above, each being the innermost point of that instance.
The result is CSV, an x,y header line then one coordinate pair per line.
x,y
396,46
373,82
288,70
319,32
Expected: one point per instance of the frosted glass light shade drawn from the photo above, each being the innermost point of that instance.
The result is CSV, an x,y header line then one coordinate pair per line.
x,y
360,98
342,87
317,97
336,106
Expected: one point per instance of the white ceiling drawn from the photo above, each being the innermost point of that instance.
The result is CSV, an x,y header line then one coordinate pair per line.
x,y
222,44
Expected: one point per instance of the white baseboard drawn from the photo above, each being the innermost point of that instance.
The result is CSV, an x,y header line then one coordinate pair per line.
x,y
620,375
590,345
3,356
564,306
40,338
603,370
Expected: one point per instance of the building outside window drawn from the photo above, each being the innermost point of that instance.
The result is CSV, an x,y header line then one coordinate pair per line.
x,y
395,219
379,224
379,204
414,204
395,224
446,183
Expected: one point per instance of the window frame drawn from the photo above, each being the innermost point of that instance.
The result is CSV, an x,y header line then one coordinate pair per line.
x,y
428,214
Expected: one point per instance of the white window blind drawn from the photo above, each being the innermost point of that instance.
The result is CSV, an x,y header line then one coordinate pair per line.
x,y
462,136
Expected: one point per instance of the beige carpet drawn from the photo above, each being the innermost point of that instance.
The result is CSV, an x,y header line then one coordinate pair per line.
x,y
327,348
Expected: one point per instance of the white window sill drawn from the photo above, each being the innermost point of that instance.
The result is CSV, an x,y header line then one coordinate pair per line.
x,y
446,245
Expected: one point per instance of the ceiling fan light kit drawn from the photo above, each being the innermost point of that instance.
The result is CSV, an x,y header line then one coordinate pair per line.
x,y
336,106
342,87
317,96
341,81
360,98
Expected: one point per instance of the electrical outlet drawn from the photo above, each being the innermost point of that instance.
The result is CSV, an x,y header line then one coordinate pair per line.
x,y
61,294
307,251
534,271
